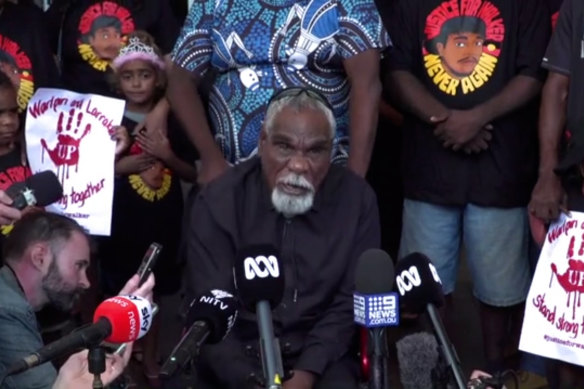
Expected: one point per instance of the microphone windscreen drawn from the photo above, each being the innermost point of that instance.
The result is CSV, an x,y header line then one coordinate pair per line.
x,y
259,276
374,273
218,309
46,187
418,283
417,356
130,317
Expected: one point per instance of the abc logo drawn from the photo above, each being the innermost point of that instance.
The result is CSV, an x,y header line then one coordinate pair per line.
x,y
261,267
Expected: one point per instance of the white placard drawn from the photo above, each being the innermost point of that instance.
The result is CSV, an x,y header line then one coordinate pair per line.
x,y
553,326
69,133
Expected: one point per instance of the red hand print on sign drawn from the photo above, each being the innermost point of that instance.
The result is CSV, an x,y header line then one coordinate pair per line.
x,y
66,151
572,281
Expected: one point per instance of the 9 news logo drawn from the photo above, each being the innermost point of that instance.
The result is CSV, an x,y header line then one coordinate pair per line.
x,y
376,310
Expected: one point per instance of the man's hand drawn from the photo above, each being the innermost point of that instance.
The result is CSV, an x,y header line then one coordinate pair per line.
x,y
475,379
480,142
75,373
300,380
548,198
458,127
145,290
8,215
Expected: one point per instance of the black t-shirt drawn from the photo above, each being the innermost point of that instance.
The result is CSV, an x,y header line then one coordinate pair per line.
x,y
564,55
94,31
502,39
25,54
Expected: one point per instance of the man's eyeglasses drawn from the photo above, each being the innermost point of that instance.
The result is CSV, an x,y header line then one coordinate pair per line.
x,y
296,91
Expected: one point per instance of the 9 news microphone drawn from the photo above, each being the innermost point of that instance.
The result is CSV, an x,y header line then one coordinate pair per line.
x,y
421,290
375,307
261,287
40,189
117,320
211,317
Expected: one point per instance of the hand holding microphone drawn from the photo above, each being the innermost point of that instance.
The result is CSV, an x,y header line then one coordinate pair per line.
x,y
118,319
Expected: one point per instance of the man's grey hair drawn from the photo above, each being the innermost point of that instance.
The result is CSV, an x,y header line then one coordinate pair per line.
x,y
298,102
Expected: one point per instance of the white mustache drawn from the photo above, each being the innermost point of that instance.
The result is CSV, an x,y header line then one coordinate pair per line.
x,y
297,180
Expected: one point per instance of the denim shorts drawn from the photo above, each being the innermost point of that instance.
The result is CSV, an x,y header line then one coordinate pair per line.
x,y
495,241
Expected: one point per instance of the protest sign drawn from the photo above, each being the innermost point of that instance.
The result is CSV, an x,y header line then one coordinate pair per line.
x,y
70,134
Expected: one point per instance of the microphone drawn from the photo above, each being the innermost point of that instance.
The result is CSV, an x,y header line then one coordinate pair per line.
x,y
375,307
211,317
417,356
420,289
118,320
40,189
260,285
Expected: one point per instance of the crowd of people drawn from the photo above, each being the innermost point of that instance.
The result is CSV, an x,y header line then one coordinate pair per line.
x,y
463,116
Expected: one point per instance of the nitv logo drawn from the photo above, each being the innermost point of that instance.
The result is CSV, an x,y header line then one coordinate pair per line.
x,y
261,267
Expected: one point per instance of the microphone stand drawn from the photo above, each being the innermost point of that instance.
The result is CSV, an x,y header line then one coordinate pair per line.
x,y
269,349
379,366
96,365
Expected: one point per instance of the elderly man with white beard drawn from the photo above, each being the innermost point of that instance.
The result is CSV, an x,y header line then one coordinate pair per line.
x,y
320,217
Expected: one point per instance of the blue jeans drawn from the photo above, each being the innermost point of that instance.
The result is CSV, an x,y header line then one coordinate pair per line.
x,y
495,242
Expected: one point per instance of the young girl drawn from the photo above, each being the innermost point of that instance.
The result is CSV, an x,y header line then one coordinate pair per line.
x,y
148,199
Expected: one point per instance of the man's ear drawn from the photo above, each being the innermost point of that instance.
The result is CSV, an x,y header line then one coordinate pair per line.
x,y
39,255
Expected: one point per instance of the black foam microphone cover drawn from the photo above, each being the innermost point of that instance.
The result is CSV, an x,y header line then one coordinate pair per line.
x,y
46,186
259,276
418,283
218,309
374,273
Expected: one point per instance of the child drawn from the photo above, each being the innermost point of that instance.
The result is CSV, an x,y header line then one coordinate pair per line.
x,y
148,201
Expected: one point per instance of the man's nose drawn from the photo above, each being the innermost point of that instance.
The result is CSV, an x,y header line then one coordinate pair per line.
x,y
298,163
84,281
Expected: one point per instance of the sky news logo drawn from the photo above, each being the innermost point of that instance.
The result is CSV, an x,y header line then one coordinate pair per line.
x,y
376,310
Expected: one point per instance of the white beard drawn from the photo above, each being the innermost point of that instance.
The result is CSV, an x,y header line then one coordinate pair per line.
x,y
290,205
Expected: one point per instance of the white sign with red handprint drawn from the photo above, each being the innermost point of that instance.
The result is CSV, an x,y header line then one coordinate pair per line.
x,y
553,326
70,134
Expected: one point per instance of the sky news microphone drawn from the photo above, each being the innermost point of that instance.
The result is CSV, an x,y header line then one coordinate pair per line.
x,y
210,318
260,285
118,320
39,190
420,289
375,307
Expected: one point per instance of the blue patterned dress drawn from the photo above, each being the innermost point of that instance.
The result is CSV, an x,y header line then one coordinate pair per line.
x,y
260,46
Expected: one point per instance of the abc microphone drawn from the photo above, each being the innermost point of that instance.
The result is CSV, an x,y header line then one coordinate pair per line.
x,y
118,319
40,189
211,317
375,307
260,285
420,289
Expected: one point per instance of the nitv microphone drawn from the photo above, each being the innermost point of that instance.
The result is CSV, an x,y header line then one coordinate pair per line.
x,y
260,285
118,320
40,189
375,307
417,356
211,317
420,289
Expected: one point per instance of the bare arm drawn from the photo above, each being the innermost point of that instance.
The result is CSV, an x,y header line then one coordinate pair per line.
x,y
547,198
363,73
186,103
414,97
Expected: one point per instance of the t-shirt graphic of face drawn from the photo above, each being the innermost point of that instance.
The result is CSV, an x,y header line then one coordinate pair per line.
x,y
463,45
16,64
103,32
